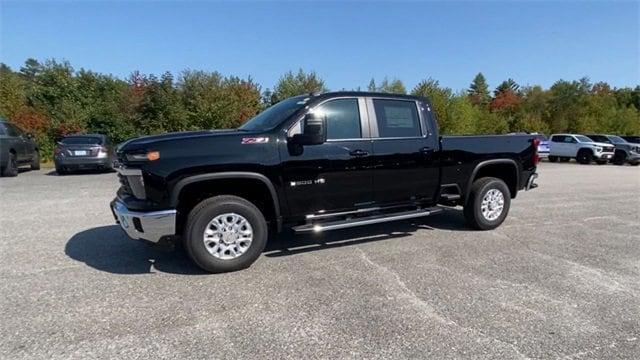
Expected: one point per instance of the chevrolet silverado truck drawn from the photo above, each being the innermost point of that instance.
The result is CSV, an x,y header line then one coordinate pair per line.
x,y
313,163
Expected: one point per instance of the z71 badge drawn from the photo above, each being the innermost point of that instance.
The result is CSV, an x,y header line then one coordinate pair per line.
x,y
255,140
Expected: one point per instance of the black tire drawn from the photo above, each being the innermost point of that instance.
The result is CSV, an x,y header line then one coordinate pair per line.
x,y
11,169
584,157
35,161
553,158
205,212
473,209
619,158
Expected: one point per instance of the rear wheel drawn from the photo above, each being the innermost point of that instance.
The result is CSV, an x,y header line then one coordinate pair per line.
x,y
619,158
553,158
35,161
225,233
584,157
488,203
11,169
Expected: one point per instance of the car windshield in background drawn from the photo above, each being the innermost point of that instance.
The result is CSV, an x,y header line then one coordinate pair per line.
x,y
617,139
276,114
583,138
541,137
84,140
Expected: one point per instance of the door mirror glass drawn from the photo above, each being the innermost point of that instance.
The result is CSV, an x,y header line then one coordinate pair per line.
x,y
314,130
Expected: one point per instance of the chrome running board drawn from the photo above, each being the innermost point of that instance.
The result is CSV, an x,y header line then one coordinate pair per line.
x,y
368,220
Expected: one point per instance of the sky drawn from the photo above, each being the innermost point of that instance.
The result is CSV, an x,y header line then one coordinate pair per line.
x,y
346,43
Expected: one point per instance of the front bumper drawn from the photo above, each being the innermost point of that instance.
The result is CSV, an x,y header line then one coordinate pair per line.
x,y
151,226
603,156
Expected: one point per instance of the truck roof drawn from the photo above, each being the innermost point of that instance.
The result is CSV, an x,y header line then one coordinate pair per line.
x,y
366,93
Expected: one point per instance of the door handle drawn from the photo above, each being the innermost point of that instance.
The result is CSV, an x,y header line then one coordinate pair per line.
x,y
426,150
358,153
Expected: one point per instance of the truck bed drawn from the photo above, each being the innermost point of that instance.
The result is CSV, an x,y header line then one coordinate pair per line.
x,y
460,155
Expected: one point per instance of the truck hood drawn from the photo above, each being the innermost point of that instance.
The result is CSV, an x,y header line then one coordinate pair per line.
x,y
147,142
600,144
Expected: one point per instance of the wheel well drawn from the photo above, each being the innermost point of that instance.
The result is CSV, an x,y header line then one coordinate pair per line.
x,y
506,172
585,149
252,190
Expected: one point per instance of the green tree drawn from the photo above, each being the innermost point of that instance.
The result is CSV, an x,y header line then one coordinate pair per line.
x,y
13,96
394,86
291,84
479,91
440,98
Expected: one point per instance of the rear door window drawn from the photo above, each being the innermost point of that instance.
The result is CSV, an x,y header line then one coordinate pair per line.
x,y
558,138
397,118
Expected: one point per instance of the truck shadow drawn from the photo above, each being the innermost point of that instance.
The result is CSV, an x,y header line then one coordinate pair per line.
x,y
108,249
290,244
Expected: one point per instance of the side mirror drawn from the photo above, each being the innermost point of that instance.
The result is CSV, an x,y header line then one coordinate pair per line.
x,y
314,130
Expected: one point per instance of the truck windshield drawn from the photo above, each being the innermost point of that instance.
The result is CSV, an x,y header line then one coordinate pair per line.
x,y
275,114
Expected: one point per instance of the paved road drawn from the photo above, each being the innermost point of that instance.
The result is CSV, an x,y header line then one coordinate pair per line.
x,y
560,279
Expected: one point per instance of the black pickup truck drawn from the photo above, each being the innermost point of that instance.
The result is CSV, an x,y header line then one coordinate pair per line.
x,y
312,163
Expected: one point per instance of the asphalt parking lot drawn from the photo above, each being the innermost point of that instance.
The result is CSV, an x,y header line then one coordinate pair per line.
x,y
560,279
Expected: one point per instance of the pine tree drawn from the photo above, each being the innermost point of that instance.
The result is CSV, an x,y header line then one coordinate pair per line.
x,y
479,91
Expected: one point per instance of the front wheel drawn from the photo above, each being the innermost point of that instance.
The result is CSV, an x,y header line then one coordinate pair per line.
x,y
11,169
584,157
225,233
488,203
619,158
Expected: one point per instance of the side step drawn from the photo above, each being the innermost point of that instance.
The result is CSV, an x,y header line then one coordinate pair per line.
x,y
368,220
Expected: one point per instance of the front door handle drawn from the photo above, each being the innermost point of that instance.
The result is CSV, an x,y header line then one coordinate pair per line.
x,y
426,150
358,153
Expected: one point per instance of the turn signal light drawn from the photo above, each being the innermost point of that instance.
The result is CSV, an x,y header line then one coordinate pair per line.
x,y
153,155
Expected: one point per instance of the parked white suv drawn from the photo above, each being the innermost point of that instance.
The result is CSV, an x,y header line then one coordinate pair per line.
x,y
584,150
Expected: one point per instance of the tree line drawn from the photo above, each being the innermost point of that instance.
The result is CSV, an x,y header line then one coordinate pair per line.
x,y
51,99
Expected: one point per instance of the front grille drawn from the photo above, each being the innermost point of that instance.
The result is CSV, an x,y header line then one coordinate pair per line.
x,y
607,149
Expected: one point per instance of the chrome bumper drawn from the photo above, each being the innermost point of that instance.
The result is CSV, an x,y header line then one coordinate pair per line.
x,y
531,182
150,226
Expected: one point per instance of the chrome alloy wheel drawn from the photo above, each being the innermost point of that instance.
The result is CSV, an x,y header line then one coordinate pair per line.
x,y
228,236
492,204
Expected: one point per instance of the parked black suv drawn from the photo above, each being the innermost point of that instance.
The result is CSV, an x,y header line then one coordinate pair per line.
x,y
17,148
313,163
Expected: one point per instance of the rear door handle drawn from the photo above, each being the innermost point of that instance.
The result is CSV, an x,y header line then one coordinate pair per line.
x,y
358,153
426,150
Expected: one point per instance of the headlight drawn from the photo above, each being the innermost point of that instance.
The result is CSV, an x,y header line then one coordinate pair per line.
x,y
637,149
598,149
148,156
